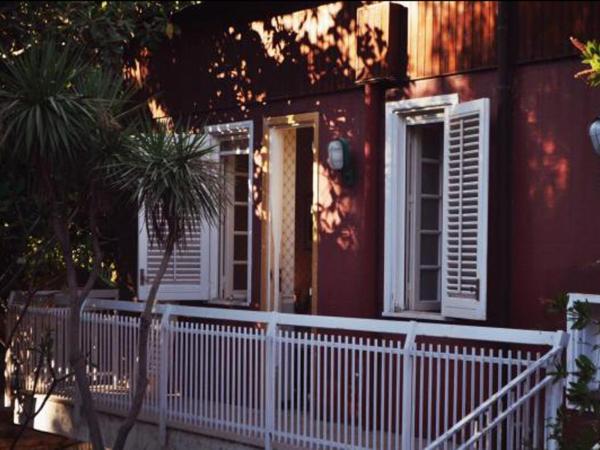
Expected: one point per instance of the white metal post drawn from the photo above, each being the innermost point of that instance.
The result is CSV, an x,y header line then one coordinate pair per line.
x,y
270,358
554,395
407,392
76,396
163,375
115,353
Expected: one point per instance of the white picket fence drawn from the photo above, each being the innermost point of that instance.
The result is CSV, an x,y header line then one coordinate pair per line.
x,y
288,380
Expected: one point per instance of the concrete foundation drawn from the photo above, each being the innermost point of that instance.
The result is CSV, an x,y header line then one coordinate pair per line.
x,y
64,418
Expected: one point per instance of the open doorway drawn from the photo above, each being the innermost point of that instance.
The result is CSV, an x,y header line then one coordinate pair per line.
x,y
290,252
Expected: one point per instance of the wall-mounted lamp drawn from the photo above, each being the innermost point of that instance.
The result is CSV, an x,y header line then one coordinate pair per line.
x,y
595,134
335,157
339,158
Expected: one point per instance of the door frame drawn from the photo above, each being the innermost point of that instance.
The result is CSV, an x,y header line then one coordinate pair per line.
x,y
303,120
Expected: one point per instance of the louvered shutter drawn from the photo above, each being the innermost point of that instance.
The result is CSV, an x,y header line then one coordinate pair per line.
x,y
192,270
188,274
465,210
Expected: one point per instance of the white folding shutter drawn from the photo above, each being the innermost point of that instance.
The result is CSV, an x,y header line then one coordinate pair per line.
x,y
189,273
465,210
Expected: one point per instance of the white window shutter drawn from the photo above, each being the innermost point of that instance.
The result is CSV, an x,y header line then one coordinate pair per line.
x,y
465,210
188,274
192,271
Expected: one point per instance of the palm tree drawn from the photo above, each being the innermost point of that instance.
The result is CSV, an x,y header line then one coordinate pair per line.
x,y
48,124
79,131
172,178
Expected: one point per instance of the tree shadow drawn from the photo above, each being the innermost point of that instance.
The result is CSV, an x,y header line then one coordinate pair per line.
x,y
225,67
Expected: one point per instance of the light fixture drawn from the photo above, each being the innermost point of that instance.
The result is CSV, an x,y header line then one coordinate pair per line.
x,y
335,151
340,159
595,134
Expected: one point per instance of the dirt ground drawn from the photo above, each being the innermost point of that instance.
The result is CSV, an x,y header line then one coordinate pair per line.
x,y
36,440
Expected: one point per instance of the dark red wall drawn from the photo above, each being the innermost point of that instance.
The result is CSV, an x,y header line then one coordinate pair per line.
x,y
556,202
346,282
554,175
555,184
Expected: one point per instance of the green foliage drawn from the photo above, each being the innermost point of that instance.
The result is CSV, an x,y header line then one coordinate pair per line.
x,y
590,55
558,304
43,115
581,314
586,435
61,119
110,33
65,111
580,393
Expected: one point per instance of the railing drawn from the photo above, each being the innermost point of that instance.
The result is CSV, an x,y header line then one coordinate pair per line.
x,y
312,381
510,419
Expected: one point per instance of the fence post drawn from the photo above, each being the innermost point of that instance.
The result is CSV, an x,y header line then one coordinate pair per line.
x,y
554,394
163,381
77,403
8,325
407,392
270,379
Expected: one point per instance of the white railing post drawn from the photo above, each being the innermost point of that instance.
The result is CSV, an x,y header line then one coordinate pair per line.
x,y
9,321
407,389
270,377
115,353
163,375
554,394
76,396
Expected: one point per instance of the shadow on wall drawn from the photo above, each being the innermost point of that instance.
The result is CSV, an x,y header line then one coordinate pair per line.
x,y
215,64
232,68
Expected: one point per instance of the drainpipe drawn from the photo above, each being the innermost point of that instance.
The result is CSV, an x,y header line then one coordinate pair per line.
x,y
374,104
505,40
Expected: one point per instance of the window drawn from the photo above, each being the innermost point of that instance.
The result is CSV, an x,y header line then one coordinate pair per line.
x,y
436,186
423,216
234,236
215,262
234,243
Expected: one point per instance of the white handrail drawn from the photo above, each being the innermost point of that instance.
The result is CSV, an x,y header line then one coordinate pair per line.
x,y
530,393
557,349
469,332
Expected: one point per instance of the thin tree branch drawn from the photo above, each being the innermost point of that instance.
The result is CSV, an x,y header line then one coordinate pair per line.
x,y
29,417
76,358
93,277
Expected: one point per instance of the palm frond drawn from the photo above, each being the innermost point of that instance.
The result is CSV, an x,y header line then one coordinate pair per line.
x,y
42,116
173,177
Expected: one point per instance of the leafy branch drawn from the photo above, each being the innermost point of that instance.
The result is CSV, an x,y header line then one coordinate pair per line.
x,y
582,392
590,55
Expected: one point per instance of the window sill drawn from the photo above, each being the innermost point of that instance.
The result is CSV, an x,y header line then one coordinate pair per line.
x,y
417,315
224,302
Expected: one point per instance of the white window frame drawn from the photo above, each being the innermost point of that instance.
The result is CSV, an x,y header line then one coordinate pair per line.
x,y
399,115
215,132
413,230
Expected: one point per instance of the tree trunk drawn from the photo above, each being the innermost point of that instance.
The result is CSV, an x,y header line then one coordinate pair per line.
x,y
141,382
76,357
